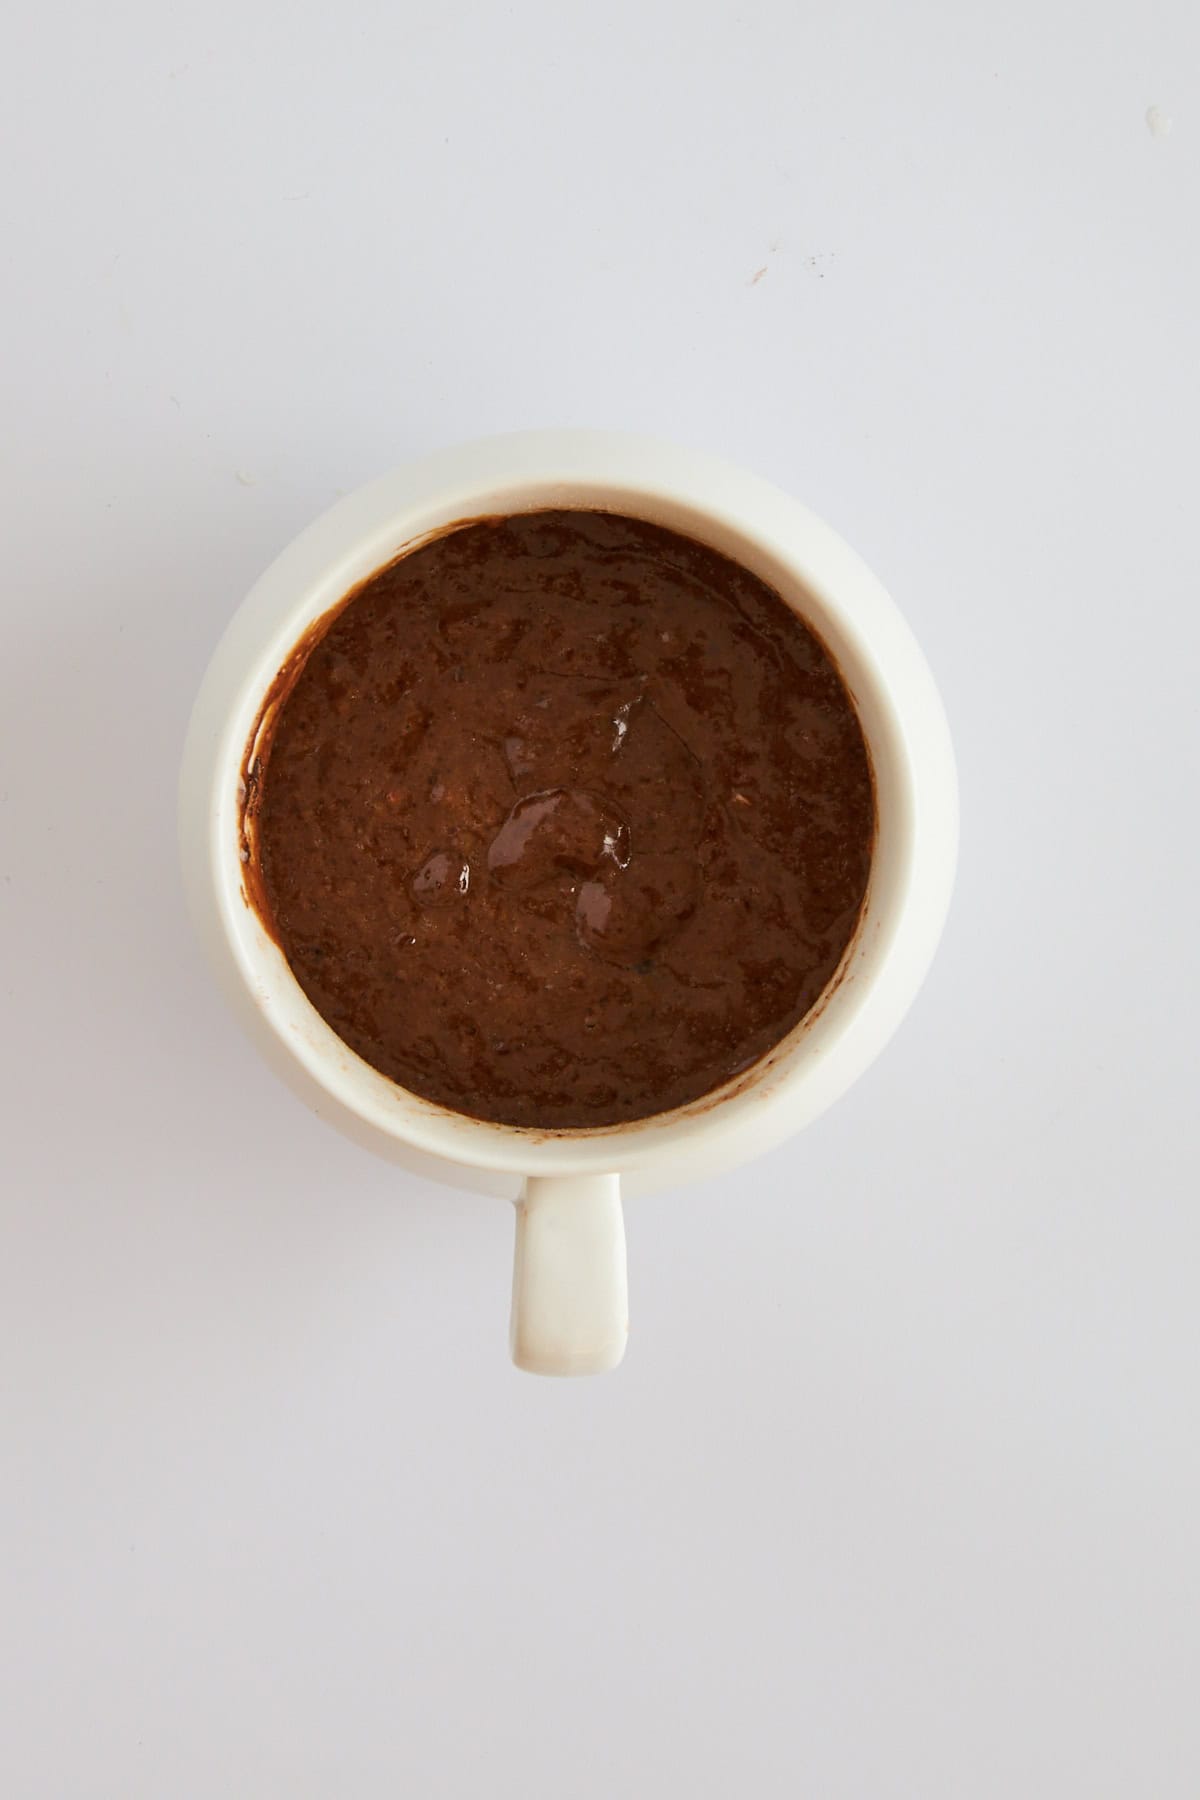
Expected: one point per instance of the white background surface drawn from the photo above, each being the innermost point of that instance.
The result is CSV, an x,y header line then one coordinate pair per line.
x,y
897,1491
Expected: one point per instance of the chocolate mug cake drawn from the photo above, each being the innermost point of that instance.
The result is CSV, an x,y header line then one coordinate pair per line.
x,y
561,820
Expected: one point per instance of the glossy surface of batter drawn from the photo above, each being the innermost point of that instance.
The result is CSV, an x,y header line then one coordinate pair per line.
x,y
566,820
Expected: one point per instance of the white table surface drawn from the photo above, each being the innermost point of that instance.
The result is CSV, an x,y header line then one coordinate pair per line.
x,y
896,1494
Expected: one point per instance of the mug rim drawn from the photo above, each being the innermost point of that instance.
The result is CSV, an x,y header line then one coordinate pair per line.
x,y
776,537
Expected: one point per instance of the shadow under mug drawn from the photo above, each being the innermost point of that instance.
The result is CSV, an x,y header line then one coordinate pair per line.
x,y
569,1301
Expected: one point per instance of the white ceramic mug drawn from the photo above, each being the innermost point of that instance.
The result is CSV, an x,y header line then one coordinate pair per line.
x,y
569,1306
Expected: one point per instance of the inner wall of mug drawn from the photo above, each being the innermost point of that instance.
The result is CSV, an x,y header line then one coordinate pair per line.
x,y
411,1119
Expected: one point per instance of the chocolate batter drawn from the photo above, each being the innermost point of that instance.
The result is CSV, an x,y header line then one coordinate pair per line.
x,y
565,820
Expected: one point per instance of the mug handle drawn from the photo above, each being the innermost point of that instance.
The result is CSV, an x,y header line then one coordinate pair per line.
x,y
570,1301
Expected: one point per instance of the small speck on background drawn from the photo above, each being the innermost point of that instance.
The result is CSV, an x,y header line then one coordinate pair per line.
x,y
1158,122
